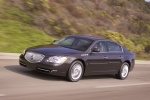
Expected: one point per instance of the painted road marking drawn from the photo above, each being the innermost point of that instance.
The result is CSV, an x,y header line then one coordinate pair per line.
x,y
1,95
125,85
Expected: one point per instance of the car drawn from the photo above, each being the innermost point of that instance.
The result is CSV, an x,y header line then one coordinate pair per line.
x,y
76,56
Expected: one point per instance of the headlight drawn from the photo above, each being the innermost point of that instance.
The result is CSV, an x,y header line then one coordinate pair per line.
x,y
57,59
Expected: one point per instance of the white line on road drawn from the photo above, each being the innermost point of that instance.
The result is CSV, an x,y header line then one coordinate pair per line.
x,y
2,95
112,86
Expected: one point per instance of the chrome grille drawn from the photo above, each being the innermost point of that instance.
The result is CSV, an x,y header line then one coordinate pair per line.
x,y
34,57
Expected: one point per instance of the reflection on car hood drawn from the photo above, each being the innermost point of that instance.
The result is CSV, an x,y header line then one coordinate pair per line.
x,y
53,50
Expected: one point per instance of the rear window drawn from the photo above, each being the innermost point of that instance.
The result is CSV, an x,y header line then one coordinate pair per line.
x,y
113,47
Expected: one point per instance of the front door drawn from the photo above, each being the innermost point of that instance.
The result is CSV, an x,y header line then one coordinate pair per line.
x,y
97,62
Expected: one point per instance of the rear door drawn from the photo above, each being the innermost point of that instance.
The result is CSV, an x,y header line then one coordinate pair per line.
x,y
115,56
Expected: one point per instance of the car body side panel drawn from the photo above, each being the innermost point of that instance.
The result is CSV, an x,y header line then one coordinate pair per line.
x,y
96,64
115,61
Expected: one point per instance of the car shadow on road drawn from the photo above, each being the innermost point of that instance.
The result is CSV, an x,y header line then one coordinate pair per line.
x,y
34,74
98,77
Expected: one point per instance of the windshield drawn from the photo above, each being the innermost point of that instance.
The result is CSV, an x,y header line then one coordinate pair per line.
x,y
81,44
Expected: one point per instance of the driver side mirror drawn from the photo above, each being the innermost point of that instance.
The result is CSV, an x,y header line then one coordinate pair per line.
x,y
55,41
96,50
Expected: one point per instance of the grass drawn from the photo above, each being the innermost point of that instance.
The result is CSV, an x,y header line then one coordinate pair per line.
x,y
142,56
11,12
15,36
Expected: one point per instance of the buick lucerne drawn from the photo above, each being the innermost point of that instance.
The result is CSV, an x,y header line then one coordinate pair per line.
x,y
77,56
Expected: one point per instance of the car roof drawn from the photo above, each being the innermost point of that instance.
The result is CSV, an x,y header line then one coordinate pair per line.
x,y
88,37
94,38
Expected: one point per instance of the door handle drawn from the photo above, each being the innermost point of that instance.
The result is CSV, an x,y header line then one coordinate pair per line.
x,y
120,56
105,57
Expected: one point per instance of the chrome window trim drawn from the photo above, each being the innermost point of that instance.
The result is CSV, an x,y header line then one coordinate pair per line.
x,y
106,47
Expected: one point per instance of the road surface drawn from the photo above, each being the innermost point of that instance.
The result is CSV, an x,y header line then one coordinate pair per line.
x,y
19,83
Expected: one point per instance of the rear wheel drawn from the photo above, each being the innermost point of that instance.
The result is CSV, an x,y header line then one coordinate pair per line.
x,y
75,72
123,72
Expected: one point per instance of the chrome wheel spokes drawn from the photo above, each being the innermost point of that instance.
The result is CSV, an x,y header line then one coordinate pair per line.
x,y
76,71
125,71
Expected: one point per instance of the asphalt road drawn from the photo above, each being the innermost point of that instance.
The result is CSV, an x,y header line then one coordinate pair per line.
x,y
19,83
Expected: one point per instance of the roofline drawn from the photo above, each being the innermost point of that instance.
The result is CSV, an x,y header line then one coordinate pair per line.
x,y
90,37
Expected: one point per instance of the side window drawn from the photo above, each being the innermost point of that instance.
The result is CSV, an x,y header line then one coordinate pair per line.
x,y
113,47
101,46
82,44
67,42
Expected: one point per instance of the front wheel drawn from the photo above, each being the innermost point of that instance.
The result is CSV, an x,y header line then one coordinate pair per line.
x,y
123,72
75,72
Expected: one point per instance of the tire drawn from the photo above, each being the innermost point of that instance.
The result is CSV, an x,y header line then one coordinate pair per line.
x,y
123,72
75,71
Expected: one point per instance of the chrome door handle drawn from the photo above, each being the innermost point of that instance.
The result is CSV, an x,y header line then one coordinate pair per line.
x,y
105,57
120,56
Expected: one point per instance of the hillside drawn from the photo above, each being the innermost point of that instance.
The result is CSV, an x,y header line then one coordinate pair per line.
x,y
125,21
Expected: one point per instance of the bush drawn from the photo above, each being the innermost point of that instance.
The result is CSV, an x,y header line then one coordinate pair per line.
x,y
51,22
14,13
147,49
66,23
118,37
73,30
117,2
57,29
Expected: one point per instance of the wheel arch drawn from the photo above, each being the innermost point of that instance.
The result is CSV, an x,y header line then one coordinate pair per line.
x,y
83,62
127,61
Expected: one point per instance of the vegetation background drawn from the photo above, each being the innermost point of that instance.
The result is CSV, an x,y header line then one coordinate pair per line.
x,y
25,23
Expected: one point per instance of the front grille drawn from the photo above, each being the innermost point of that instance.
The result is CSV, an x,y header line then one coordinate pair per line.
x,y
34,57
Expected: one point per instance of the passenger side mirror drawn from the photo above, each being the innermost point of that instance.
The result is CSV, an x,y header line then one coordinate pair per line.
x,y
96,50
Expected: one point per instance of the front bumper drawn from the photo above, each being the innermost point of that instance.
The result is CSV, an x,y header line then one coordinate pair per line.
x,y
45,67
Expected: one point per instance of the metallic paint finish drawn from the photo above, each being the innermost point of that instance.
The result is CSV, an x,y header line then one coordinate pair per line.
x,y
95,63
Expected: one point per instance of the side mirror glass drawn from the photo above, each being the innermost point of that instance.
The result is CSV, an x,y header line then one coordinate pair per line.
x,y
55,41
96,50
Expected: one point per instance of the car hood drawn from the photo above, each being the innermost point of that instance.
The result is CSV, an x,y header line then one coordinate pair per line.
x,y
53,50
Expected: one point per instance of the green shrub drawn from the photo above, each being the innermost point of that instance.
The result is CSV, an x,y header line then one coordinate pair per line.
x,y
147,49
73,30
142,40
30,4
118,37
45,4
53,10
117,2
51,22
15,13
66,23
57,29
